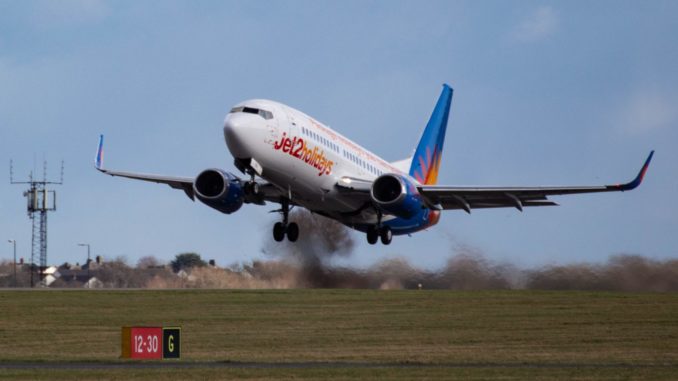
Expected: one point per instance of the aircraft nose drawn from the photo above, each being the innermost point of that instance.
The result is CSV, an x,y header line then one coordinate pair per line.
x,y
236,135
232,128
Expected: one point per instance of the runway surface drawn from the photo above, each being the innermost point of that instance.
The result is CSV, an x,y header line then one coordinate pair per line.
x,y
174,364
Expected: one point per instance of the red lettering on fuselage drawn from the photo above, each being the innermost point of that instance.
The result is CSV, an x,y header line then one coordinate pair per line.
x,y
298,148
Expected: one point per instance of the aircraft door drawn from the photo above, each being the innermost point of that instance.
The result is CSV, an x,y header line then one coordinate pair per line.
x,y
276,126
292,132
293,128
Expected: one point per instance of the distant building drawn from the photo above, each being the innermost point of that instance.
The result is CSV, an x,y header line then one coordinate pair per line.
x,y
67,276
93,264
93,282
50,275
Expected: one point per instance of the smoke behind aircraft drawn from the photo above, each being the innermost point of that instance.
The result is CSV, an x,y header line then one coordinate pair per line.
x,y
307,264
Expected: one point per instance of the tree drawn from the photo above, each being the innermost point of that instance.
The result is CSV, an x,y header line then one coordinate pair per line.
x,y
148,262
186,261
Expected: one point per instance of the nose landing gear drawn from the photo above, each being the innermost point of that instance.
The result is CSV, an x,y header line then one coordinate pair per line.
x,y
251,188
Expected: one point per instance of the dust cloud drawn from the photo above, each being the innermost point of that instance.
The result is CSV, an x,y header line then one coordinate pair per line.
x,y
308,264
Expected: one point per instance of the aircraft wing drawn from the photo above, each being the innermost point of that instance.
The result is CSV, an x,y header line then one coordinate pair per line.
x,y
468,198
183,183
269,191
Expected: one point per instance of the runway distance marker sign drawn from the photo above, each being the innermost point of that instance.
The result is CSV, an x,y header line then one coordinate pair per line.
x,y
148,343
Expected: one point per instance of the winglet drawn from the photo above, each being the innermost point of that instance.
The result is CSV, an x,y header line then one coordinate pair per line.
x,y
639,179
99,159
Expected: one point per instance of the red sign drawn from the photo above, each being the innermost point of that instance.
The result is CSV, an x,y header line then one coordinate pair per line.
x,y
145,342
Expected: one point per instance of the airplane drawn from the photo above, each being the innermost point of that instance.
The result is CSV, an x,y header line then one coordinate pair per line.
x,y
291,159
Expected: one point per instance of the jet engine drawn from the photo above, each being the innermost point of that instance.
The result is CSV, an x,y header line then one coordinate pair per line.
x,y
219,190
396,195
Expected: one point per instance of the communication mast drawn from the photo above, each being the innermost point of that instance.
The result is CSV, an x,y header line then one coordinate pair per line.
x,y
40,200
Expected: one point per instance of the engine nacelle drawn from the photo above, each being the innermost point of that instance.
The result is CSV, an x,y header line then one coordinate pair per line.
x,y
397,195
219,190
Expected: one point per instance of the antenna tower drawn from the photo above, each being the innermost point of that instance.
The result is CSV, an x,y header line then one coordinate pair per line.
x,y
40,200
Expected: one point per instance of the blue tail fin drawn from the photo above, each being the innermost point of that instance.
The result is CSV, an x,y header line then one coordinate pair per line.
x,y
426,159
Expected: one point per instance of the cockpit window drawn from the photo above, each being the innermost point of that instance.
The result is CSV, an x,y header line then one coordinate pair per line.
x,y
251,110
266,114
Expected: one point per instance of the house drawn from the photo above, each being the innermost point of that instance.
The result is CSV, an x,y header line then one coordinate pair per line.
x,y
74,277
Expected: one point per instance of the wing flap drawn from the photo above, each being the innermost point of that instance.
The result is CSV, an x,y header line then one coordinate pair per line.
x,y
454,204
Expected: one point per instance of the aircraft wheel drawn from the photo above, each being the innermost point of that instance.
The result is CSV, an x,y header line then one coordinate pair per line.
x,y
251,188
372,235
278,231
254,188
386,235
292,232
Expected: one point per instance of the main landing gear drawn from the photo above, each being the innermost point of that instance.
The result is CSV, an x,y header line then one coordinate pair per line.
x,y
280,229
379,231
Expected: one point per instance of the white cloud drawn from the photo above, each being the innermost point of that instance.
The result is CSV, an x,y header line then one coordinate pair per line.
x,y
648,111
542,23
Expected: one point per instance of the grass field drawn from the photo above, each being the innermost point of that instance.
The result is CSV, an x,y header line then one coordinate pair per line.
x,y
466,335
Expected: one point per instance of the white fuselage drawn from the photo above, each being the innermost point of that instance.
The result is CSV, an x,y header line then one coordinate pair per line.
x,y
302,156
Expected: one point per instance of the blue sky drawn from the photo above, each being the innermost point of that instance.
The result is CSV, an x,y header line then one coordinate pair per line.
x,y
546,93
